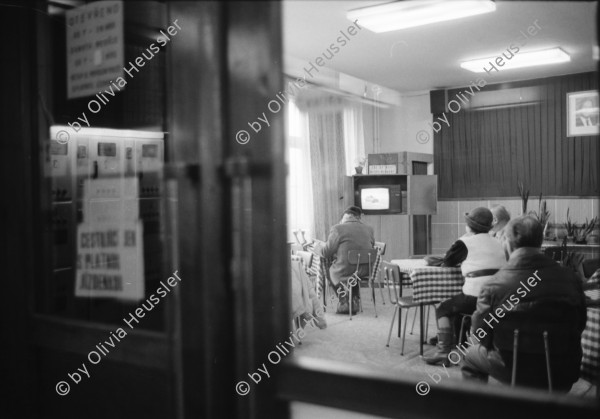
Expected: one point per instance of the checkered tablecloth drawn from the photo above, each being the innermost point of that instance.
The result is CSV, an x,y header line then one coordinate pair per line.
x,y
590,345
320,270
431,283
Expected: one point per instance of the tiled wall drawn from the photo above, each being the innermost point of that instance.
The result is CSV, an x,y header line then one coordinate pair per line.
x,y
448,225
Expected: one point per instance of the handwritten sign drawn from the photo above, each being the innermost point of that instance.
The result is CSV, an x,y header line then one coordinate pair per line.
x,y
110,262
94,47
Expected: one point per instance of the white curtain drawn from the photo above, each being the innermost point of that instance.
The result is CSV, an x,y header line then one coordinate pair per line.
x,y
299,180
354,140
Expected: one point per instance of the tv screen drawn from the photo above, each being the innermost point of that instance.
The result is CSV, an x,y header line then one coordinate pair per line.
x,y
375,198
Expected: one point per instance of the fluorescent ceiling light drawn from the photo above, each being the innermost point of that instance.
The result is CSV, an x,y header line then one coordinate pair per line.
x,y
520,59
408,14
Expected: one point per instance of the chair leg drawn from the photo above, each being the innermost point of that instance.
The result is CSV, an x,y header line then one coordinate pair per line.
x,y
413,323
381,290
392,326
404,331
324,289
350,302
462,327
515,351
427,323
547,350
373,297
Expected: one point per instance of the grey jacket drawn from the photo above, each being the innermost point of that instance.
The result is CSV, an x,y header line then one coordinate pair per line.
x,y
351,235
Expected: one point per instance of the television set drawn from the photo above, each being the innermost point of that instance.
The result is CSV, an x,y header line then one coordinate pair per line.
x,y
379,199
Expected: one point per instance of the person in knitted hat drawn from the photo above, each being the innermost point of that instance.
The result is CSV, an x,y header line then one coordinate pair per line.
x,y
479,256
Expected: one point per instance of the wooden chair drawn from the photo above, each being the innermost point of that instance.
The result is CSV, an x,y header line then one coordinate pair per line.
x,y
545,332
393,281
362,257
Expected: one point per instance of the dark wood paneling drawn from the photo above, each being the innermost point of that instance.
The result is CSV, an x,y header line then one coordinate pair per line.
x,y
18,174
141,348
259,276
484,153
358,388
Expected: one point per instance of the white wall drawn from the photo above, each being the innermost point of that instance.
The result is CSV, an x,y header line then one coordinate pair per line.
x,y
399,126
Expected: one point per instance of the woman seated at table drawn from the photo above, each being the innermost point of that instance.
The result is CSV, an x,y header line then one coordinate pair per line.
x,y
480,256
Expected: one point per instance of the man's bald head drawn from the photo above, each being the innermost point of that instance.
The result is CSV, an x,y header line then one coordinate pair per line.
x,y
524,231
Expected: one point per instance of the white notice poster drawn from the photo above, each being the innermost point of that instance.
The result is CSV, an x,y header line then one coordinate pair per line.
x,y
110,261
94,47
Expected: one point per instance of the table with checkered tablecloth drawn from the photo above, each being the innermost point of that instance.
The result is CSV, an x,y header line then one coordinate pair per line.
x,y
431,283
590,345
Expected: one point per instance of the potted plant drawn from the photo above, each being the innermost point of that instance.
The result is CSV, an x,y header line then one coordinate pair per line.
x,y
542,215
571,228
584,230
524,197
360,164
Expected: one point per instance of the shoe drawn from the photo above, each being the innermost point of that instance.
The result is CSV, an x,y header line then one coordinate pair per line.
x,y
343,307
433,341
321,322
310,319
444,346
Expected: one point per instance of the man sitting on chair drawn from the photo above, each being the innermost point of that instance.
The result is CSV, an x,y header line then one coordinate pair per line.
x,y
535,294
350,234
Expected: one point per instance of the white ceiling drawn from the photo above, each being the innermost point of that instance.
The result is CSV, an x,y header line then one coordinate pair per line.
x,y
428,57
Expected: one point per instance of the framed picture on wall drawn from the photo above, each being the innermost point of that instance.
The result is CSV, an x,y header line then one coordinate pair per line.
x,y
582,113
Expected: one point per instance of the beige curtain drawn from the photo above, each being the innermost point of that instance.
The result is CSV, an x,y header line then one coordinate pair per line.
x,y
328,163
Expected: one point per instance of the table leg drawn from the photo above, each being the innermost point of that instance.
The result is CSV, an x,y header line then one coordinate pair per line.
x,y
421,327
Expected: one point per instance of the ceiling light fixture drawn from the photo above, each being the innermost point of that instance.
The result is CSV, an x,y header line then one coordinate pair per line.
x,y
408,14
522,59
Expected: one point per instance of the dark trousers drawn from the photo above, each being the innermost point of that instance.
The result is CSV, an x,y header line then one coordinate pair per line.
x,y
460,303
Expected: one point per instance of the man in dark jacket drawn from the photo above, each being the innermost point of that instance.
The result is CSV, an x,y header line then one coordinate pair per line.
x,y
534,294
350,234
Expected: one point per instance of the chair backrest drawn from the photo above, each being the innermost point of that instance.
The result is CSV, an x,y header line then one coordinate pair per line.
x,y
392,279
306,257
558,319
296,247
555,252
381,246
362,256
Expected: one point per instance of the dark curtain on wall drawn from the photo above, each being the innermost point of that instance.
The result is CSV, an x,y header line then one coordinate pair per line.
x,y
326,131
485,153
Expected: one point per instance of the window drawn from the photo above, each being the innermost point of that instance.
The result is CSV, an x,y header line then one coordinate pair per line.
x,y
299,184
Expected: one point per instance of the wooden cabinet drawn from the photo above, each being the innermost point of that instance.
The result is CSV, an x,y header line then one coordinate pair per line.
x,y
419,195
393,230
